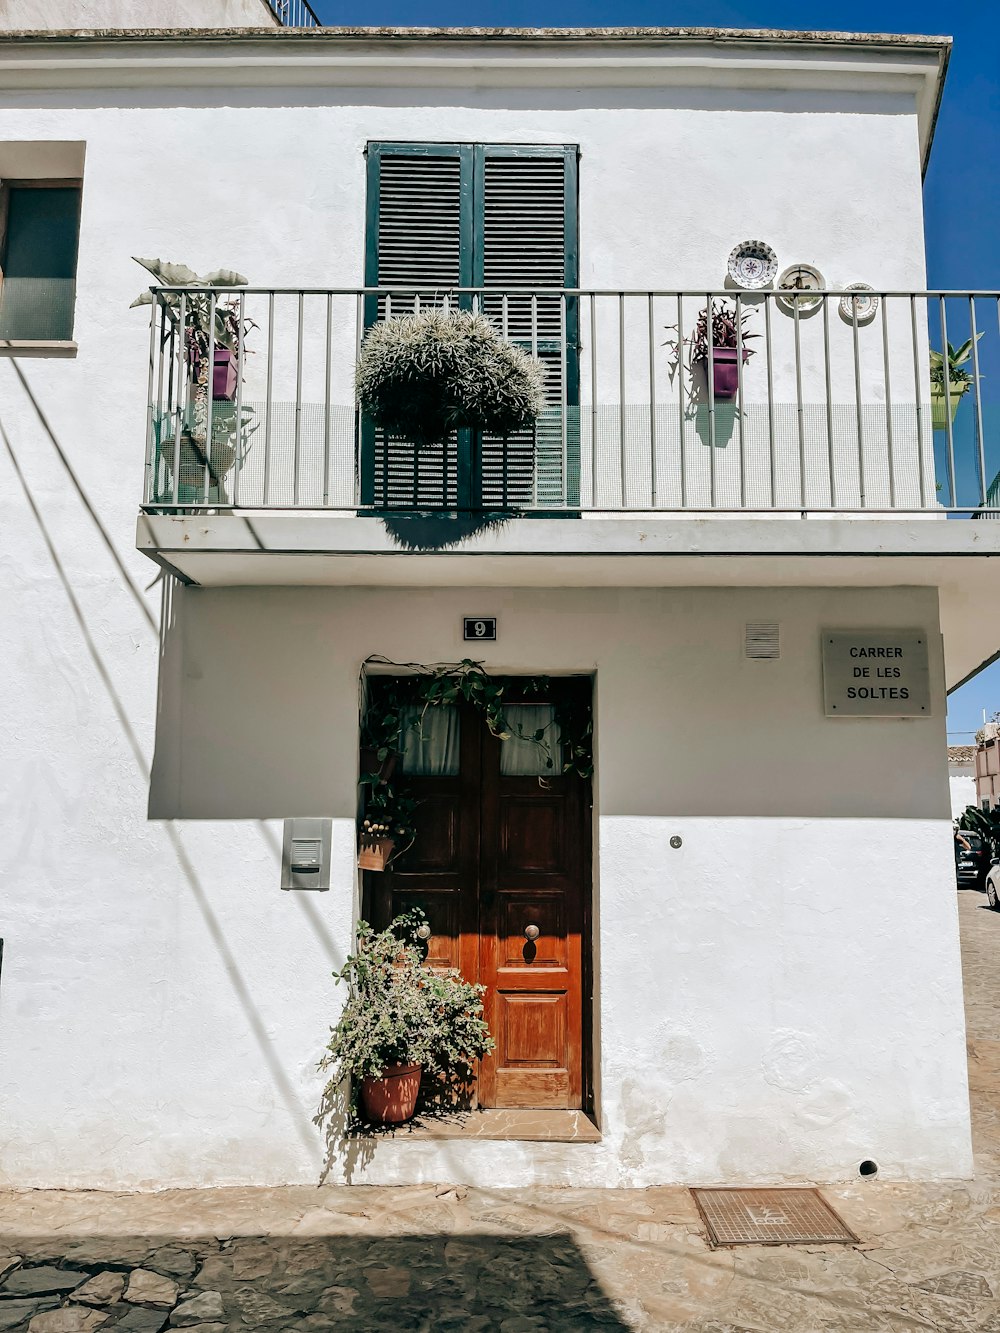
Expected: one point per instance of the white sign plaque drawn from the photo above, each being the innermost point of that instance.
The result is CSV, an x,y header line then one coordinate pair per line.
x,y
876,673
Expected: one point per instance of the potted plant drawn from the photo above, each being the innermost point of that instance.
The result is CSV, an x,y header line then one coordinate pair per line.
x,y
202,448
959,381
387,823
728,335
419,377
401,1020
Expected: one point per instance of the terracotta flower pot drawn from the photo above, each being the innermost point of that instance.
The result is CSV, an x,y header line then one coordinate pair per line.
x,y
939,417
391,1099
375,853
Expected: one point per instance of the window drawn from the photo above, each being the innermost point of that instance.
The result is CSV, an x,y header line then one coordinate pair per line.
x,y
446,216
40,227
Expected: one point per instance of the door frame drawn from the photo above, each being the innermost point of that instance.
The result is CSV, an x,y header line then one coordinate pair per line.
x,y
369,882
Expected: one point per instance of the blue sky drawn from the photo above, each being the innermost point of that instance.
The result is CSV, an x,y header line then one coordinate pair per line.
x,y
962,193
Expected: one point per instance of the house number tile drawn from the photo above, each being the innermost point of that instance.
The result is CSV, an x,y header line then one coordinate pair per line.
x,y
482,628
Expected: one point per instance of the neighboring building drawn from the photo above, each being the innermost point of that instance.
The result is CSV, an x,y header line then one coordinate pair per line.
x,y
59,15
962,778
720,987
987,769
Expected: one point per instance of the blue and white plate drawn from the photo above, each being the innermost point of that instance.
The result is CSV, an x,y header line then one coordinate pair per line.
x,y
752,265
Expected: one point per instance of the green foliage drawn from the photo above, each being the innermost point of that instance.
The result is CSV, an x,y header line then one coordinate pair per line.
x,y
198,308
422,376
399,1011
984,822
958,357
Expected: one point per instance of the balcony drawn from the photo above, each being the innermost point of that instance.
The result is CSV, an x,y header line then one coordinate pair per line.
x,y
294,13
834,417
831,408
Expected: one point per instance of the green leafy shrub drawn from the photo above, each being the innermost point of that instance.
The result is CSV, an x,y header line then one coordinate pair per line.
x,y
399,1011
422,376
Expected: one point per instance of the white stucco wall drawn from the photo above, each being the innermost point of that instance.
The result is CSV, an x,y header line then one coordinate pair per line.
x,y
962,786
652,160
162,1004
50,15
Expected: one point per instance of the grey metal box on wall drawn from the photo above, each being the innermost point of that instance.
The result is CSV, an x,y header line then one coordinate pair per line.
x,y
305,854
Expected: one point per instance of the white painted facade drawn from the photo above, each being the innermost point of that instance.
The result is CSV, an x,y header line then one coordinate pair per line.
x,y
162,1003
961,779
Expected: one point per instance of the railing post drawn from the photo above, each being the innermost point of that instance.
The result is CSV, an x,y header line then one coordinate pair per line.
x,y
240,363
949,434
978,400
151,416
888,403
181,394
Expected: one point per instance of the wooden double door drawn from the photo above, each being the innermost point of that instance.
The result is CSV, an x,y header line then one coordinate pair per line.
x,y
501,867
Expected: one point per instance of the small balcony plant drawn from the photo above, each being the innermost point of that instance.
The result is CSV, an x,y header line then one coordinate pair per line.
x,y
728,334
201,336
401,1020
959,381
422,376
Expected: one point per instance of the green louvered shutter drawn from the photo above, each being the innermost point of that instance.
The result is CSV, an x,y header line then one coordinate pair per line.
x,y
526,237
453,215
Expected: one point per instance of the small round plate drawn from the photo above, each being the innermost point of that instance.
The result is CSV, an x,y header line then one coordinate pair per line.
x,y
804,278
752,265
863,308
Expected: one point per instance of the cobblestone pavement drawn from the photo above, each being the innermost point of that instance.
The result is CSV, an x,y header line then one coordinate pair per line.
x,y
472,1260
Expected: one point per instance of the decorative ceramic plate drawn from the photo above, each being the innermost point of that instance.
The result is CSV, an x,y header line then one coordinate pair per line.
x,y
752,265
801,278
863,308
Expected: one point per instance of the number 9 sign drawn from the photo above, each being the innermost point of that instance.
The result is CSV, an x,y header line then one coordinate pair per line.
x,y
481,628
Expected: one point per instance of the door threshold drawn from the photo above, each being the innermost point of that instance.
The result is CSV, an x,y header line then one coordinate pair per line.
x,y
516,1125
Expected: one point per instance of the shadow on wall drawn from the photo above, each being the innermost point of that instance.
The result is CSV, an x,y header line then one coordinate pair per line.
x,y
296,1112
352,1283
437,532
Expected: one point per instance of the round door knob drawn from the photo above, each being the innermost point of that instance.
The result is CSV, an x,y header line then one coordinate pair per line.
x,y
531,932
423,932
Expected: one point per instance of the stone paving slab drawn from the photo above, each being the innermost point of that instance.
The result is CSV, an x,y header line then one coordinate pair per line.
x,y
453,1257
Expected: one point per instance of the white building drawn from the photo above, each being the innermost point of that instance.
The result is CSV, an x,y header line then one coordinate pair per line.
x,y
962,778
723,997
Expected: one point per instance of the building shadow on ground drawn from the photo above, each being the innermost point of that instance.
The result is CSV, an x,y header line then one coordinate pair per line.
x,y
466,1283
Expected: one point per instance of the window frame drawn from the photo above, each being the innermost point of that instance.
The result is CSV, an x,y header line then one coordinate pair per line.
x,y
38,346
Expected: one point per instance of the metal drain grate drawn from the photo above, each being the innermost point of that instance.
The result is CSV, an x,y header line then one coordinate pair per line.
x,y
770,1217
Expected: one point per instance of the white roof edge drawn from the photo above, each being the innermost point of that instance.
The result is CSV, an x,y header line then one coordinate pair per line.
x,y
32,59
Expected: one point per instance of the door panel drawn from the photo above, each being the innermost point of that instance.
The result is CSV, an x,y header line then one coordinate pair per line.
x,y
494,856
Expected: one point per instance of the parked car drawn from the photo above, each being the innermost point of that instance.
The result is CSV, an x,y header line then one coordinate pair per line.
x,y
972,860
993,886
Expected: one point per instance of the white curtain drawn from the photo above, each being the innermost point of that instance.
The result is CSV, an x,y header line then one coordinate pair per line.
x,y
525,758
431,741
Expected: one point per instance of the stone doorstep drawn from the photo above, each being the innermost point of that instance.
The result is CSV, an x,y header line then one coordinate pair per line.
x,y
517,1125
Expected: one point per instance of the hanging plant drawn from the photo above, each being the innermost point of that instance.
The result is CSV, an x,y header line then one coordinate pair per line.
x,y
422,376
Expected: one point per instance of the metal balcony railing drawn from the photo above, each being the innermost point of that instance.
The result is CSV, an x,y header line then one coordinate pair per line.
x,y
294,13
832,405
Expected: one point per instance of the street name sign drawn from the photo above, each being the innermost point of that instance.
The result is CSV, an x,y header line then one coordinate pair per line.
x,y
876,673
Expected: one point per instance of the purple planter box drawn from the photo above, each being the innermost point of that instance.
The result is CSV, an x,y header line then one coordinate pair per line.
x,y
725,371
225,376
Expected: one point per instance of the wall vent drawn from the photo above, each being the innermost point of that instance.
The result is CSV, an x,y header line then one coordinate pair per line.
x,y
761,642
